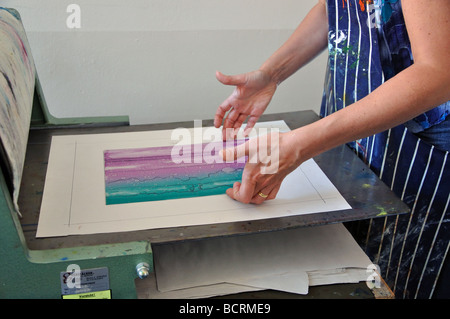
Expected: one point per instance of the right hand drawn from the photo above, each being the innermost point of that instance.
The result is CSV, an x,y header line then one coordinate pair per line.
x,y
250,98
271,158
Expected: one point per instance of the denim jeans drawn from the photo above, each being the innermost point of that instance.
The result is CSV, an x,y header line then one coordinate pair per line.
x,y
438,135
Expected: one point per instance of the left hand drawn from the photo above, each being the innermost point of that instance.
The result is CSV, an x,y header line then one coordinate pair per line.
x,y
270,159
250,98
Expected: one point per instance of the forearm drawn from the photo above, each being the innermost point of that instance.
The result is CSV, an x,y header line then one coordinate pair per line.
x,y
412,92
307,41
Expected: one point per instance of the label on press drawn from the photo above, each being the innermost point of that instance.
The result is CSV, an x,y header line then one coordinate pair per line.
x,y
75,281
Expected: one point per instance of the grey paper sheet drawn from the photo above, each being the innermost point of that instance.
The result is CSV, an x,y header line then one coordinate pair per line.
x,y
289,260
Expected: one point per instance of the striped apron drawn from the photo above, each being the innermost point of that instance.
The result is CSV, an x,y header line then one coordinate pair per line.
x,y
368,44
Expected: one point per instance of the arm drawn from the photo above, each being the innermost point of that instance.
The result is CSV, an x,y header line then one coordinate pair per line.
x,y
254,90
307,41
421,87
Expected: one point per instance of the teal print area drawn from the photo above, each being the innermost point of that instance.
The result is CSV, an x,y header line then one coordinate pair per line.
x,y
150,174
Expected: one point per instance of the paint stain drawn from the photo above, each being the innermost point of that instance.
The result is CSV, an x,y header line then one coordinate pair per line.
x,y
382,212
366,186
362,4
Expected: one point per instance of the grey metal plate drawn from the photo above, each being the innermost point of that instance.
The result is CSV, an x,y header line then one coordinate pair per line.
x,y
368,196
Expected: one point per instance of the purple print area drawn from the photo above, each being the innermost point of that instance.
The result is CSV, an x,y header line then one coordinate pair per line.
x,y
169,172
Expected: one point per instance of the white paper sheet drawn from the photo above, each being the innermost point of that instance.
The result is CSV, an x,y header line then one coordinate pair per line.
x,y
289,260
74,193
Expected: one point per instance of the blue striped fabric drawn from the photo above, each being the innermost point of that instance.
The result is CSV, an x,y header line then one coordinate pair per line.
x,y
368,44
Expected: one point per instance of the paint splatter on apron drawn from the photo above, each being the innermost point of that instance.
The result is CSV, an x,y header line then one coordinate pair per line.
x,y
368,44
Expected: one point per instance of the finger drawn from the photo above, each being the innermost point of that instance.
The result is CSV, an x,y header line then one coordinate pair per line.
x,y
229,130
239,121
231,126
266,193
231,79
274,192
232,192
230,133
250,124
220,113
240,192
260,196
232,116
246,189
234,153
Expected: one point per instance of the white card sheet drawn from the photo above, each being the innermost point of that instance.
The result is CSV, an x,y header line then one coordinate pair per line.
x,y
74,193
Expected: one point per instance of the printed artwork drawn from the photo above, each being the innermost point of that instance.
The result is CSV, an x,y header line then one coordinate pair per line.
x,y
17,80
169,172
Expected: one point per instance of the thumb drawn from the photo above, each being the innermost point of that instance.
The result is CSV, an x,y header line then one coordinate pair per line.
x,y
234,153
248,149
231,79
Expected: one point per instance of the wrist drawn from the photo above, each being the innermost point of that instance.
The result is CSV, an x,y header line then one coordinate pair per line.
x,y
270,74
304,143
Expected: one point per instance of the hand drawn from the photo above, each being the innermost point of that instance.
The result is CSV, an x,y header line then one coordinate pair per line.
x,y
270,159
250,98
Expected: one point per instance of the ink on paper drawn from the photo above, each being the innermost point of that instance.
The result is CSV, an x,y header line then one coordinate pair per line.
x,y
156,173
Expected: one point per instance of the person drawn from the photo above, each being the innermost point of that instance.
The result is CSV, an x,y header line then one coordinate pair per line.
x,y
386,95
